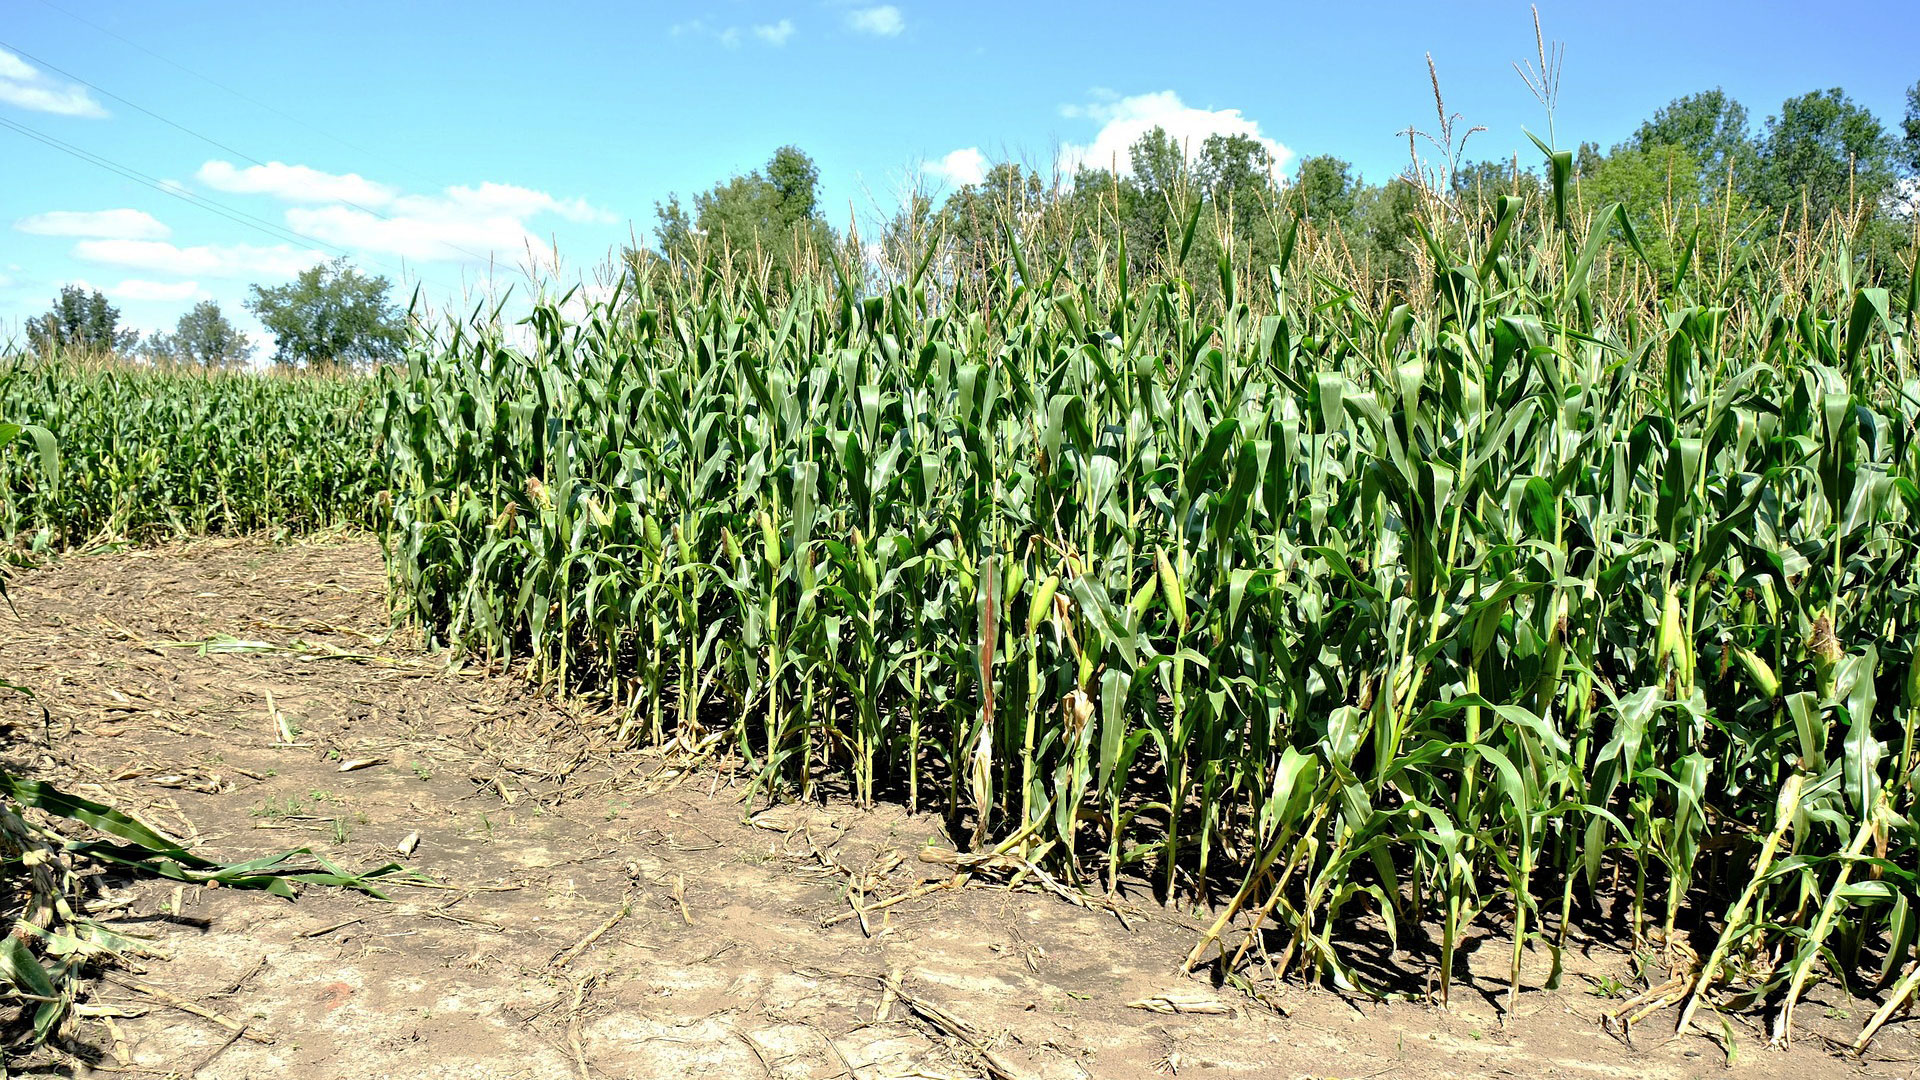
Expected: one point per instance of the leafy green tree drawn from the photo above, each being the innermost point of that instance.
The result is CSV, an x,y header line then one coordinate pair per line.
x,y
1384,220
331,314
1910,131
1161,185
204,337
1235,173
1010,190
1481,182
1664,191
1824,149
1324,191
1235,170
904,236
973,216
771,214
1710,127
796,181
80,321
1373,225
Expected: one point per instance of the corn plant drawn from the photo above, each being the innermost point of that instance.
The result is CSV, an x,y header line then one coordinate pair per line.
x,y
1566,580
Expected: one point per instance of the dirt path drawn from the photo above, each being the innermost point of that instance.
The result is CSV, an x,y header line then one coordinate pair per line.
x,y
599,918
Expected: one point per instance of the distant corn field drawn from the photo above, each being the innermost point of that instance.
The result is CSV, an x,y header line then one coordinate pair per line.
x,y
147,453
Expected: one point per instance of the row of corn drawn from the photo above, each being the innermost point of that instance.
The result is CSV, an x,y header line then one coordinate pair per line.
x,y
146,453
1565,590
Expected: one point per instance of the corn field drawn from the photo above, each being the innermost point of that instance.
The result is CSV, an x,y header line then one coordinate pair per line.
x,y
151,453
1565,592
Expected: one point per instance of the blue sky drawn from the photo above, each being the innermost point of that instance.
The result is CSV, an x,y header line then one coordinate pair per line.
x,y
429,140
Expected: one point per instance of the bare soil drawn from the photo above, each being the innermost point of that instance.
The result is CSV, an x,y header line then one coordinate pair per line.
x,y
601,914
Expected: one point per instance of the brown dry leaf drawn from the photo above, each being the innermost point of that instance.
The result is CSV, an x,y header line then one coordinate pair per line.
x,y
1181,1001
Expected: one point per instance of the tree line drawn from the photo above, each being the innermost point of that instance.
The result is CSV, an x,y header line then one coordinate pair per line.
x,y
1699,181
329,315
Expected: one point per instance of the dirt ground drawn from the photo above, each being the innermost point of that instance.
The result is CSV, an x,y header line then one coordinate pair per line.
x,y
603,915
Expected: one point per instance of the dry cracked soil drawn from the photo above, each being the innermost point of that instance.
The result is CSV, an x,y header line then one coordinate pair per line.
x,y
586,912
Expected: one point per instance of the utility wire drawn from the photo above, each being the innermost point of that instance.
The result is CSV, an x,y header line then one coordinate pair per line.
x,y
209,140
96,88
271,229
218,85
276,231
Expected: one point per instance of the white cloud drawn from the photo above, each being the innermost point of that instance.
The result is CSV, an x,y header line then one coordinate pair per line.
x,y
96,224
457,224
1123,121
28,87
775,33
294,183
510,199
136,289
208,260
432,237
460,222
882,21
960,168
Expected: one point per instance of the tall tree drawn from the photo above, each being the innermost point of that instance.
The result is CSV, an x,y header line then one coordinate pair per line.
x,y
796,180
1235,173
1385,217
768,214
971,218
1161,197
331,314
1910,131
1663,190
1825,150
1324,191
1236,170
1711,128
203,336
1484,181
82,321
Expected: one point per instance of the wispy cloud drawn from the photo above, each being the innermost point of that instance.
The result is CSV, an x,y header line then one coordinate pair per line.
x,y
350,211
493,198
775,34
96,224
294,183
140,289
882,21
1124,120
208,260
28,87
440,236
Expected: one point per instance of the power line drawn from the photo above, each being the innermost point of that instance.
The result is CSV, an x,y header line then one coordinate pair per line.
x,y
275,231
255,102
96,88
209,140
